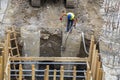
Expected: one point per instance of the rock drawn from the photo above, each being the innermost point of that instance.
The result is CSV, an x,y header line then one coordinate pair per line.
x,y
45,36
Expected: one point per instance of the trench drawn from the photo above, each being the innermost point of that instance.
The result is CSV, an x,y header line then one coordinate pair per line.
x,y
80,68
52,48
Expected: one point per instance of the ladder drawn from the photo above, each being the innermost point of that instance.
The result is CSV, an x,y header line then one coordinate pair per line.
x,y
14,51
13,45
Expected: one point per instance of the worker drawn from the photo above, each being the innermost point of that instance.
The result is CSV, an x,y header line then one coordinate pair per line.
x,y
71,20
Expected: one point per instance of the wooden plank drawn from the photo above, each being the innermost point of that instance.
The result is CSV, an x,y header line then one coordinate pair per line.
x,y
88,75
33,72
98,67
1,68
91,50
0,59
54,77
93,59
45,74
101,74
62,73
88,66
46,77
3,64
20,72
78,59
74,73
9,77
95,64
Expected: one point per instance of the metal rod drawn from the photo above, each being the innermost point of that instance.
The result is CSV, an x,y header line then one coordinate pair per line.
x,y
50,76
49,70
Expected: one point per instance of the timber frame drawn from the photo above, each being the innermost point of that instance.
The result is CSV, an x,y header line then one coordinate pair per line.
x,y
94,69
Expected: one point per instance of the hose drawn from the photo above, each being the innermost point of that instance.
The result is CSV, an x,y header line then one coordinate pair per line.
x,y
83,39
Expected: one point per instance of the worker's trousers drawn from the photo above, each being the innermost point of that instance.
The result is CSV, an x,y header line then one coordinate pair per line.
x,y
69,25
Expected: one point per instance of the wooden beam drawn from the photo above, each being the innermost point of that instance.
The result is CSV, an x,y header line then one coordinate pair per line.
x,y
62,73
93,58
46,74
74,73
98,72
78,59
88,66
33,72
3,64
91,50
9,76
20,72
1,68
54,77
95,64
88,75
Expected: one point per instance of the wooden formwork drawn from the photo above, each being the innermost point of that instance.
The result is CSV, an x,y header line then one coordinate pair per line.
x,y
6,54
1,67
47,69
94,70
4,61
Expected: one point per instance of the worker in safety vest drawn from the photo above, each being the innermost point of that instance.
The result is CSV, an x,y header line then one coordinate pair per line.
x,y
71,20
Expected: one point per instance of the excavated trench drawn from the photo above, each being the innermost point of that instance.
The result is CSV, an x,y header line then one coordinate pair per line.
x,y
50,46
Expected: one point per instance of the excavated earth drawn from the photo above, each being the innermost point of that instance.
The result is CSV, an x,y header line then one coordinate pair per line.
x,y
46,18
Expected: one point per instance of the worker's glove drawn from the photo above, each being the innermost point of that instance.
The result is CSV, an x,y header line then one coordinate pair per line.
x,y
60,18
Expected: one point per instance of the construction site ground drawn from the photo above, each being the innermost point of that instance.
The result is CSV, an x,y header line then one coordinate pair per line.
x,y
20,14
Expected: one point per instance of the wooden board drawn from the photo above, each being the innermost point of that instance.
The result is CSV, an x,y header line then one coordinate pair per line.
x,y
78,59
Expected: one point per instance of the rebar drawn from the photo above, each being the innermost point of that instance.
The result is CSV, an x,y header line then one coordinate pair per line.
x,y
110,38
65,76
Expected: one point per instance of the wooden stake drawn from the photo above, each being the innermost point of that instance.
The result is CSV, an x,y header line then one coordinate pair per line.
x,y
88,75
62,73
3,63
93,59
91,50
54,78
1,68
74,73
46,77
45,74
95,64
98,72
20,72
33,72
9,76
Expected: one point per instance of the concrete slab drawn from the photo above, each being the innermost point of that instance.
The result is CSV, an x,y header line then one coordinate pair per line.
x,y
71,43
